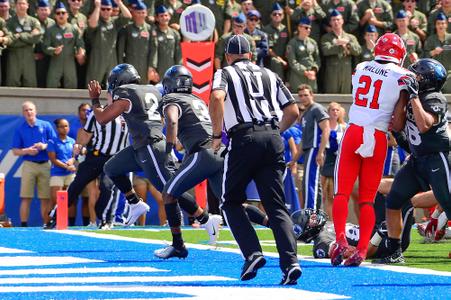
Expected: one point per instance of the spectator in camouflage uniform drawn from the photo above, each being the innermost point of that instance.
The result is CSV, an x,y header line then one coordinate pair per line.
x,y
102,35
134,42
311,10
375,12
5,10
239,24
438,46
165,49
411,40
418,21
338,48
232,9
347,9
259,37
175,9
63,43
370,38
26,33
277,42
42,60
303,57
445,9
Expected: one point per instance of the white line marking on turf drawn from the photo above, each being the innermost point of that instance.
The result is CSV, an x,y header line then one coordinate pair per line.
x,y
12,250
206,292
111,279
22,261
402,269
55,271
205,247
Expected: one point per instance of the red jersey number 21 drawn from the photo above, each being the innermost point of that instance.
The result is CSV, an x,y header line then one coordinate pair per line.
x,y
363,92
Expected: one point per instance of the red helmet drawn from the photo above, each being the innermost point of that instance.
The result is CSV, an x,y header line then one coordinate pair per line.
x,y
390,47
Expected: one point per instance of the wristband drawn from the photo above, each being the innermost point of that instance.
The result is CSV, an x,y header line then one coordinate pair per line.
x,y
169,147
217,136
95,102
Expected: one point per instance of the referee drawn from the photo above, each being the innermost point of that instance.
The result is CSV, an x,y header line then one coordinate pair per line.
x,y
255,106
106,141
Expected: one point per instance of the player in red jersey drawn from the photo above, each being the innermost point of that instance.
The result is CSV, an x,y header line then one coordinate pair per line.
x,y
379,100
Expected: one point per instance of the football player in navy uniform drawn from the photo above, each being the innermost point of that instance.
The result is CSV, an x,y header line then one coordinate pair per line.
x,y
428,140
138,104
187,119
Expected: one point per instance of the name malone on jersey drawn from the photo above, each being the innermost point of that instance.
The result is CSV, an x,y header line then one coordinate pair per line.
x,y
378,71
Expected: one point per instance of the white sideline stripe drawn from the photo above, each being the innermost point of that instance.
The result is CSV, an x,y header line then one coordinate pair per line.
x,y
55,271
237,251
402,269
22,261
111,279
13,250
196,293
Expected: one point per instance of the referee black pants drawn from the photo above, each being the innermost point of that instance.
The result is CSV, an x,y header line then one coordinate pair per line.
x,y
90,169
257,153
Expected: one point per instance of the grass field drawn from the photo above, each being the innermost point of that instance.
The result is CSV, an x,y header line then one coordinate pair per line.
x,y
418,255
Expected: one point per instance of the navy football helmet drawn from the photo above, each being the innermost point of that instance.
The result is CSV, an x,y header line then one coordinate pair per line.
x,y
177,79
307,223
122,74
431,74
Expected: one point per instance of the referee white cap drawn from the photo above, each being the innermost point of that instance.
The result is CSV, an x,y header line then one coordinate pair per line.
x,y
237,44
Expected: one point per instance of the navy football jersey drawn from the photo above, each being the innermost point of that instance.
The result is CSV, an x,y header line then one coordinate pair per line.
x,y
143,118
436,139
194,126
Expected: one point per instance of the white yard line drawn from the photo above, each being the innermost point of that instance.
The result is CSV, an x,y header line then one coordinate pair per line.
x,y
401,269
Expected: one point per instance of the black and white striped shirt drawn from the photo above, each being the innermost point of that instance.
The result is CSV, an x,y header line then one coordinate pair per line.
x,y
254,94
110,138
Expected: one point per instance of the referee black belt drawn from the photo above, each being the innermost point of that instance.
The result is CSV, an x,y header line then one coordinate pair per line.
x,y
263,126
40,162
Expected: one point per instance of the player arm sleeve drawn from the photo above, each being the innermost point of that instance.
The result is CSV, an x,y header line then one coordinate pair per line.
x,y
401,139
435,106
123,94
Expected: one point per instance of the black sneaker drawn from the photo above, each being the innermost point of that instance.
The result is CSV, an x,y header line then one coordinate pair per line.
x,y
51,224
291,275
395,258
171,251
251,265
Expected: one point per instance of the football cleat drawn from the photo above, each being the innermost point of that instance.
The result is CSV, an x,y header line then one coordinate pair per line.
x,y
395,258
212,228
251,265
421,228
171,251
354,260
291,275
336,253
440,233
136,211
105,225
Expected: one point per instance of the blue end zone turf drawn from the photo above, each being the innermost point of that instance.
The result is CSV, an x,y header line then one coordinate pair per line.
x,y
66,266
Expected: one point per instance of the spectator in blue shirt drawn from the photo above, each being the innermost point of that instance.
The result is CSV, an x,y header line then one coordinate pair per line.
x,y
83,110
30,141
59,149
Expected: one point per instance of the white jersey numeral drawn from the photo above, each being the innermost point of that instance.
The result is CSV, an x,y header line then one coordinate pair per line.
x,y
152,106
413,133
